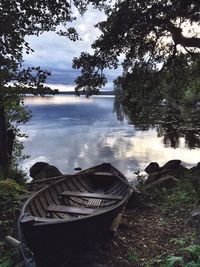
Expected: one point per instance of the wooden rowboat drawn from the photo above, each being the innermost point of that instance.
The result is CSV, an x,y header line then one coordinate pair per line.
x,y
64,215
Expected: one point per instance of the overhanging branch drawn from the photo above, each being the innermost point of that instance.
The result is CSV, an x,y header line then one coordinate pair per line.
x,y
178,37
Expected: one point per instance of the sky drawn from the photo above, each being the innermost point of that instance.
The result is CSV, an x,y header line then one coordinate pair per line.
x,y
55,53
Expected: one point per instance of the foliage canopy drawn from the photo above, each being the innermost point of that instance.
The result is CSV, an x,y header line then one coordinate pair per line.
x,y
155,41
20,18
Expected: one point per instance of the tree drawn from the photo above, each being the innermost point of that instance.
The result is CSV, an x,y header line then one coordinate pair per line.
x,y
20,18
157,37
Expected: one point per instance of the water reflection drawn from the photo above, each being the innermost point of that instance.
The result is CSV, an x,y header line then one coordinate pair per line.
x,y
69,132
171,123
184,124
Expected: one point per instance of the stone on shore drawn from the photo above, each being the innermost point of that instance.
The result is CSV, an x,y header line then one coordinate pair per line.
x,y
37,168
171,164
172,167
42,170
152,177
152,167
163,182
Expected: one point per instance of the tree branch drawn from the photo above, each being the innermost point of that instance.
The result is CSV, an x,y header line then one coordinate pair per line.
x,y
178,37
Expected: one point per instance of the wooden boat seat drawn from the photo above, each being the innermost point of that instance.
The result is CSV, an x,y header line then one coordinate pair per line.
x,y
94,203
70,209
104,174
91,195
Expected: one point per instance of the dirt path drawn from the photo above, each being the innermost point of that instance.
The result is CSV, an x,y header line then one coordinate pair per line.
x,y
143,239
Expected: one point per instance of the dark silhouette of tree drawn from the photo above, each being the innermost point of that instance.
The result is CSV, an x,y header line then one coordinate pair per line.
x,y
158,39
20,18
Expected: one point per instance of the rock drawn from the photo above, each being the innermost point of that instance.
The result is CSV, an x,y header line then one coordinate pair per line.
x,y
42,170
152,167
137,200
51,171
180,171
166,182
165,172
78,169
152,177
37,168
195,168
171,164
198,165
39,176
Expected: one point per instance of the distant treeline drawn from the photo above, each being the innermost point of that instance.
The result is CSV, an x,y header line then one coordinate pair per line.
x,y
81,93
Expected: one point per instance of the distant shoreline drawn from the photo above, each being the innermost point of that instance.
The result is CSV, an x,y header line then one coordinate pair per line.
x,y
73,93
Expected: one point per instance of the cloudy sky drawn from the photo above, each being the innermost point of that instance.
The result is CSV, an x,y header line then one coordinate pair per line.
x,y
55,53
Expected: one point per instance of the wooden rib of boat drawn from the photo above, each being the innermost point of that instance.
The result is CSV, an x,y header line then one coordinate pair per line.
x,y
59,218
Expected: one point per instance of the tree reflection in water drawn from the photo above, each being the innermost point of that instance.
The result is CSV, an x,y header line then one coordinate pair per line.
x,y
172,123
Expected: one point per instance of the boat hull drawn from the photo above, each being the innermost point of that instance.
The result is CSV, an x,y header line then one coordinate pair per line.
x,y
53,240
54,243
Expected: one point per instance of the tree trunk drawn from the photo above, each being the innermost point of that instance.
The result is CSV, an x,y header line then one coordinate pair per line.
x,y
3,140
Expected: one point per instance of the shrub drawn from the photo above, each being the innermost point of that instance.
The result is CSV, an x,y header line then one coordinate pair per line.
x,y
10,202
190,257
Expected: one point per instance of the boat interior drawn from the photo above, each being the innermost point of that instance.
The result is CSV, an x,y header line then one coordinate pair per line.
x,y
77,195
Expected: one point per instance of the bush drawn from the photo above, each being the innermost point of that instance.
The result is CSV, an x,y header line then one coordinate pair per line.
x,y
10,202
18,175
190,257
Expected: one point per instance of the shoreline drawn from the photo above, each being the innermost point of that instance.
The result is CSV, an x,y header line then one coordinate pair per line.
x,y
152,226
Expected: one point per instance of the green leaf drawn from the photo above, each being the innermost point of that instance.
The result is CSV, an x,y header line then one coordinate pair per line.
x,y
178,241
193,264
171,260
194,250
5,264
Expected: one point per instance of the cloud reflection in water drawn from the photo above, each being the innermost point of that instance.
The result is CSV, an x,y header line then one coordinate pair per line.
x,y
70,132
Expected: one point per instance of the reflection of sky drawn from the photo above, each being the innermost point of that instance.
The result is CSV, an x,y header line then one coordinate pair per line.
x,y
70,132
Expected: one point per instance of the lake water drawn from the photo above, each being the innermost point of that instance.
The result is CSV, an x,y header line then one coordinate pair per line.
x,y
68,132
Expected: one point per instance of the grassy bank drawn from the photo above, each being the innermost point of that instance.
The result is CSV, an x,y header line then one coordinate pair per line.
x,y
165,232
157,233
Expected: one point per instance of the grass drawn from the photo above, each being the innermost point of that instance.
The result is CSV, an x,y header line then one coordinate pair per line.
x,y
172,204
177,202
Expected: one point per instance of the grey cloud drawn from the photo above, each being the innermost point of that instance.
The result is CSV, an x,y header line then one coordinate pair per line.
x,y
56,53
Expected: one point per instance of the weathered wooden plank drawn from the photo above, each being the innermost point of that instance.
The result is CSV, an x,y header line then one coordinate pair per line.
x,y
70,209
12,241
116,222
48,180
104,174
91,195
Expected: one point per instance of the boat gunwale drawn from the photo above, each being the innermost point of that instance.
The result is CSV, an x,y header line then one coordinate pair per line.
x,y
46,221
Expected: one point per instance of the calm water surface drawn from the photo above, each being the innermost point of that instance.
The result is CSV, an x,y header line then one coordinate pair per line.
x,y
68,132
